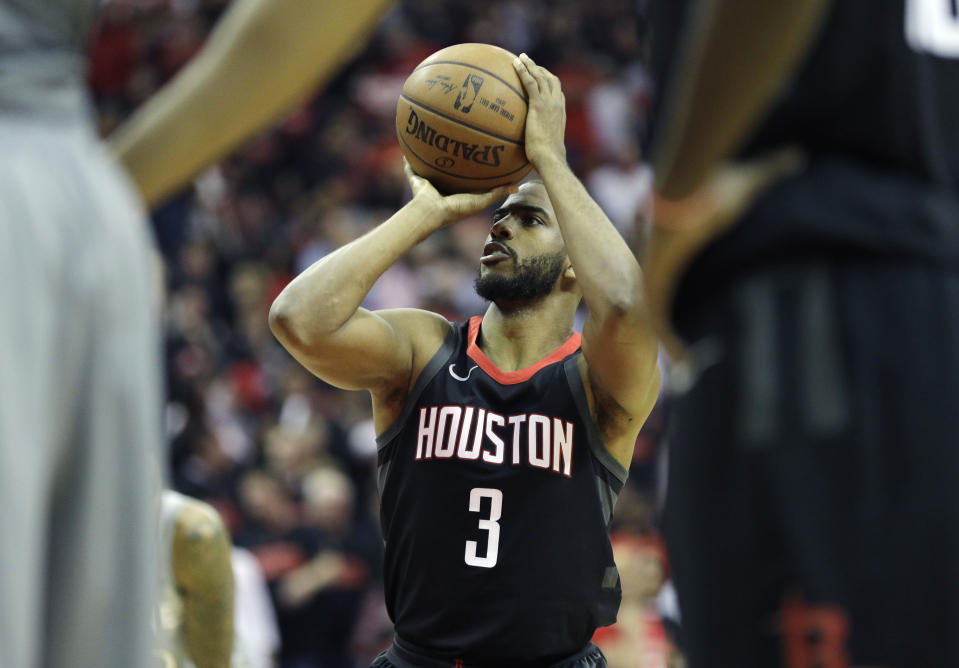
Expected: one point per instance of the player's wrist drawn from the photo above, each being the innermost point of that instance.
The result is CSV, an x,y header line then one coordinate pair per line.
x,y
427,213
549,160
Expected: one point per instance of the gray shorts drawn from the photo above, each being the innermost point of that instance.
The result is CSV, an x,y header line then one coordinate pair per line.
x,y
79,405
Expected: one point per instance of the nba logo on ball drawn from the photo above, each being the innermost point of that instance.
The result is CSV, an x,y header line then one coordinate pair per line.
x,y
472,84
461,118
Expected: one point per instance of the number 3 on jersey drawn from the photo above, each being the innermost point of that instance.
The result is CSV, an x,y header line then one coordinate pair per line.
x,y
489,524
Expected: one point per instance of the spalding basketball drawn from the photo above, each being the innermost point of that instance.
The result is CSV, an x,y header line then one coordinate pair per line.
x,y
461,119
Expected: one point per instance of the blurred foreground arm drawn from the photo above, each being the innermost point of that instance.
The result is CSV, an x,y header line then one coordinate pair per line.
x,y
261,59
735,57
204,576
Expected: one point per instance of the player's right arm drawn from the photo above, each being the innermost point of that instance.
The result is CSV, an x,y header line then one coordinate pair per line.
x,y
318,316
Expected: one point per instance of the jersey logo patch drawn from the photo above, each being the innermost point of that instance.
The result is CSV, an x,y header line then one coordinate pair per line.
x,y
457,376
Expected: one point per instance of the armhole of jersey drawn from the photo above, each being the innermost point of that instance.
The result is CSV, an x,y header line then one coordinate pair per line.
x,y
571,366
429,371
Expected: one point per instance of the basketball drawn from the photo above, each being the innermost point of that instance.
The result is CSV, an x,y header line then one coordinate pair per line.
x,y
461,117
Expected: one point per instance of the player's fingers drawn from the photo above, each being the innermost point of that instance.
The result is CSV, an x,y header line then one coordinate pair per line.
x,y
544,80
536,72
483,200
529,81
411,176
548,82
417,182
554,83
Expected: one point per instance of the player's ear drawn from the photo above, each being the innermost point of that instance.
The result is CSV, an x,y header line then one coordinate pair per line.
x,y
568,273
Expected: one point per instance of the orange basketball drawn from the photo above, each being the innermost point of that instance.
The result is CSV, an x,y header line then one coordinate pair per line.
x,y
461,119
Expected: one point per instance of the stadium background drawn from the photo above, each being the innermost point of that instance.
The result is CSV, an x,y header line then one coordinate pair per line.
x,y
286,459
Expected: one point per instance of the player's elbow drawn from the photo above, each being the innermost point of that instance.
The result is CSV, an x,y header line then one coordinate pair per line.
x,y
298,326
287,322
281,319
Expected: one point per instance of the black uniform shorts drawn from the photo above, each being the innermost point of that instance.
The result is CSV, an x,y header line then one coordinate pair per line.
x,y
812,513
401,655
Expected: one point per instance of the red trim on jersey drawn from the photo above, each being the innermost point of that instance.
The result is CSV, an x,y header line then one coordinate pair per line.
x,y
521,375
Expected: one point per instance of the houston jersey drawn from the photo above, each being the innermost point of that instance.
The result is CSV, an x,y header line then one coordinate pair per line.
x,y
496,495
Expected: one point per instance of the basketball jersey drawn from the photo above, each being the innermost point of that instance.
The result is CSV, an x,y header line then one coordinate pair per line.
x,y
873,106
496,494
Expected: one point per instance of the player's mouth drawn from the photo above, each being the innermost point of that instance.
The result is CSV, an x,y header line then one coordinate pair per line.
x,y
494,251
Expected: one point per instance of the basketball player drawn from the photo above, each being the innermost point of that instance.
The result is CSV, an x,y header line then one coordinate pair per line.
x,y
195,612
813,507
504,440
79,373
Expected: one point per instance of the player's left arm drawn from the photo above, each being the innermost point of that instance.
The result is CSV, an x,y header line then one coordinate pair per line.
x,y
203,573
262,57
619,345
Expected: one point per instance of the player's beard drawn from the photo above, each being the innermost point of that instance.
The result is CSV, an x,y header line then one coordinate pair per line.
x,y
534,278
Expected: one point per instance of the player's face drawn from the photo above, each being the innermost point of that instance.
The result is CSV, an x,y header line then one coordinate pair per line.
x,y
524,254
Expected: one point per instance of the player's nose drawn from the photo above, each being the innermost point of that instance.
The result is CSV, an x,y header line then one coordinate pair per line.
x,y
501,230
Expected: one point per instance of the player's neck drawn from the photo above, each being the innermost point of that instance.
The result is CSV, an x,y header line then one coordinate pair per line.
x,y
519,338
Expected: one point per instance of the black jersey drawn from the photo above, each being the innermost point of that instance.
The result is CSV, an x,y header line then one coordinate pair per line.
x,y
496,495
874,106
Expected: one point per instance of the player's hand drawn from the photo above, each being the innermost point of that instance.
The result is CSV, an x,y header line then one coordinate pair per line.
x,y
456,207
681,228
546,115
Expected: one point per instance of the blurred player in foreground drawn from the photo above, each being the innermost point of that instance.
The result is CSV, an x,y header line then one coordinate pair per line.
x,y
505,440
195,610
79,369
813,507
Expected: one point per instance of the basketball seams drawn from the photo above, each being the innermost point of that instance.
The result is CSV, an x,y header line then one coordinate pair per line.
x,y
459,121
454,174
474,67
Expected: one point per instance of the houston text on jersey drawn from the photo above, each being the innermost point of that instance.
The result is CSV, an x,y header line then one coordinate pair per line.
x,y
542,441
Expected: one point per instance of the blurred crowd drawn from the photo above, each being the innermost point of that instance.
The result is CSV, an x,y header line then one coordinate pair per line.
x,y
287,460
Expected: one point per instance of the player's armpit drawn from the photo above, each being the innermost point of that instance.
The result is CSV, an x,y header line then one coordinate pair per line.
x,y
203,573
621,375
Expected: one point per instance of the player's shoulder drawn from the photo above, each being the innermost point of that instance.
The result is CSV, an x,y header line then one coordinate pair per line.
x,y
425,330
426,322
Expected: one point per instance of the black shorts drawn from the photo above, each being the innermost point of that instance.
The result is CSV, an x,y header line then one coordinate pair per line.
x,y
401,655
813,497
